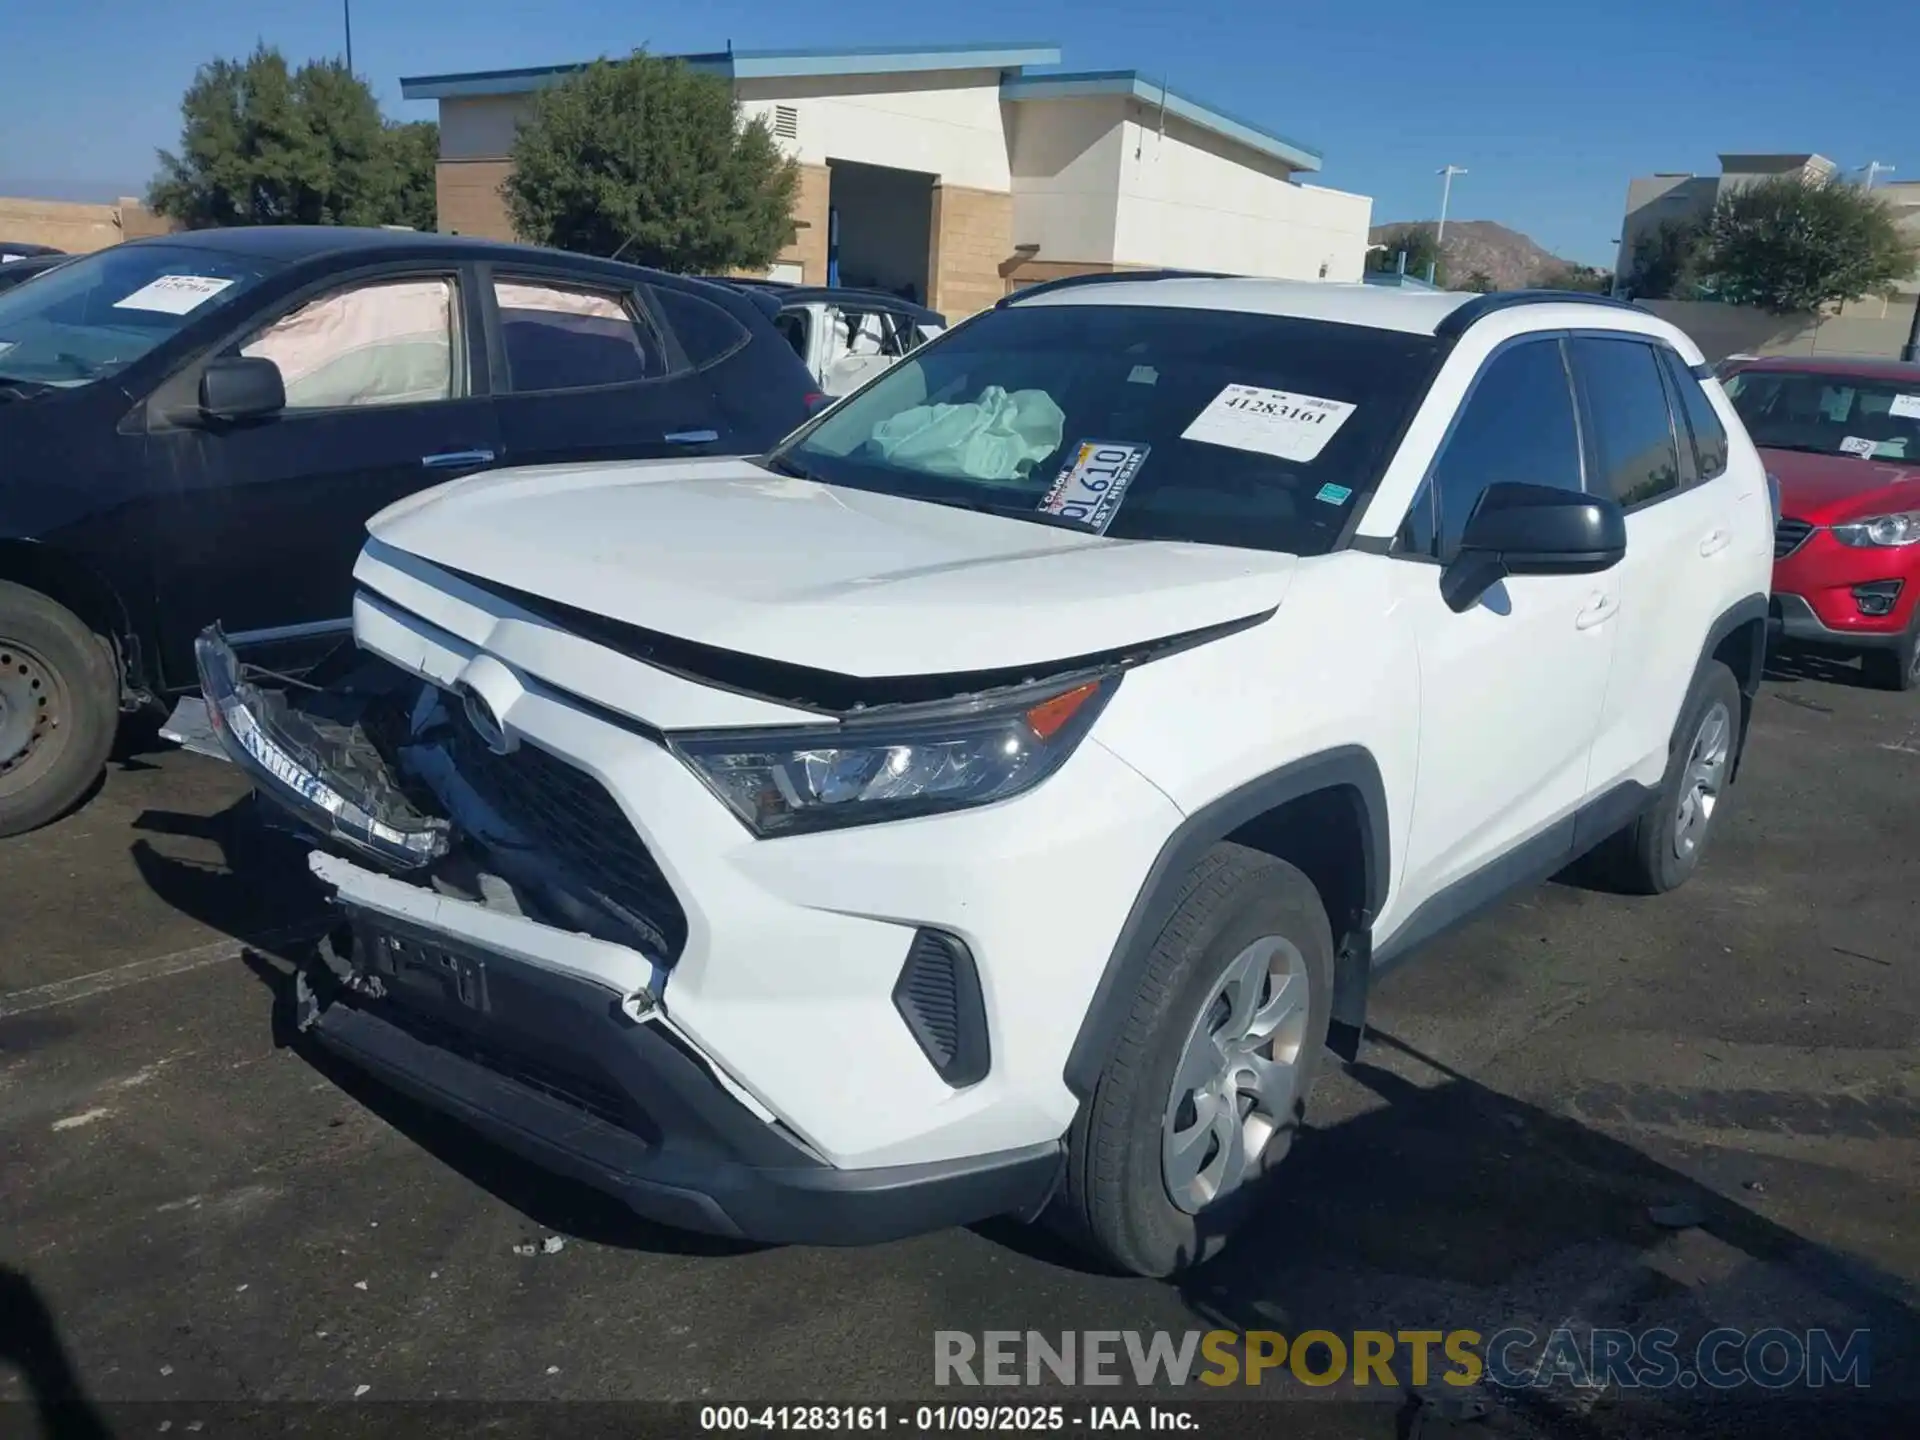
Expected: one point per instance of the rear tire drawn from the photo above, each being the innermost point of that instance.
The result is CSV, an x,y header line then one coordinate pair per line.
x,y
1662,849
1209,1079
59,709
1895,669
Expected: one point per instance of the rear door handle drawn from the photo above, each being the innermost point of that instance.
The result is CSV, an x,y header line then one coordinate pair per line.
x,y
454,459
1716,541
1598,611
692,437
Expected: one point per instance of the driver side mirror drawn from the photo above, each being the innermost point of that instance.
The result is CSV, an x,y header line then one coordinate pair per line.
x,y
245,387
1532,530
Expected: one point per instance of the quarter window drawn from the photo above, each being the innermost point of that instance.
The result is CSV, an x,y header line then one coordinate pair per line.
x,y
390,343
1517,428
566,339
1709,435
1632,428
706,333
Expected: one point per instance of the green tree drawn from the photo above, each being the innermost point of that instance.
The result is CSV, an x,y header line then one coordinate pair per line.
x,y
262,144
1421,248
414,155
649,159
1789,245
1589,279
1479,283
1665,262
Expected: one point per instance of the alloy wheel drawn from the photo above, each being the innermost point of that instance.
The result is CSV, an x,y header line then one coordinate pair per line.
x,y
1239,1074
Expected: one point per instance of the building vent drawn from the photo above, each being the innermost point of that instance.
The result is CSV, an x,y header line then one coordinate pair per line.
x,y
786,122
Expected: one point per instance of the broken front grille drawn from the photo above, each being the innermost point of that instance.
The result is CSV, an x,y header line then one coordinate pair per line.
x,y
1788,536
570,815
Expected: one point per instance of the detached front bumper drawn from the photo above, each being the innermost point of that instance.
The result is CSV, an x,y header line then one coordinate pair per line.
x,y
476,1016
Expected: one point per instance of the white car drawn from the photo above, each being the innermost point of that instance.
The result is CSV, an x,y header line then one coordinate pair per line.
x,y
846,336
998,798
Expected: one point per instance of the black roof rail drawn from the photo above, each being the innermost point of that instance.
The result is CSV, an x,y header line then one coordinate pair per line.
x,y
1104,277
1454,324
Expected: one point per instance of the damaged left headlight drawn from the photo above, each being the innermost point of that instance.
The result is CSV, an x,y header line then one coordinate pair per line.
x,y
323,775
916,760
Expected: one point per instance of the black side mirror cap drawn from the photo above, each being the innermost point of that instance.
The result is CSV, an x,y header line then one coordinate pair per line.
x,y
245,387
1533,530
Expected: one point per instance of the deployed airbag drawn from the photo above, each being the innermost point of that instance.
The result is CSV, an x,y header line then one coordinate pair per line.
x,y
1000,436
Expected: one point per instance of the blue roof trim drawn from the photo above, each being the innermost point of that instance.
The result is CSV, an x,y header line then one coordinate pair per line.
x,y
1139,87
755,65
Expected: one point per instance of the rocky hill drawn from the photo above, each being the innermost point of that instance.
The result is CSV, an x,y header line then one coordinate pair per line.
x,y
1508,258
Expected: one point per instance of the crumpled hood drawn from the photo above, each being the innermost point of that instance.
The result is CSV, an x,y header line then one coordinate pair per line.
x,y
1825,489
728,554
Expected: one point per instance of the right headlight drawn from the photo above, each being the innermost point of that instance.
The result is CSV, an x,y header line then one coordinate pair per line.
x,y
1898,529
914,760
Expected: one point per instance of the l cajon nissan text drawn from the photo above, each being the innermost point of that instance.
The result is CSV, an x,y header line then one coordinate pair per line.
x,y
998,798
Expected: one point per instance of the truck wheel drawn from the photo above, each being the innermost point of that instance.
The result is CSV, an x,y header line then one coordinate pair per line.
x,y
1895,669
1207,1085
1661,849
59,708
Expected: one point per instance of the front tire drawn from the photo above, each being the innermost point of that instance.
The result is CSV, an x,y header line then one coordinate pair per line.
x,y
59,708
1661,850
1895,669
1208,1082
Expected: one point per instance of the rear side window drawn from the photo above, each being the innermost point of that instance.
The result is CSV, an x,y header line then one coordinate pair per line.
x,y
559,338
1632,428
1517,427
1709,435
706,332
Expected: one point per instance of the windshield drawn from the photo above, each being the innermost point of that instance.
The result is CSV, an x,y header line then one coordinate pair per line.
x,y
1139,423
96,315
1829,414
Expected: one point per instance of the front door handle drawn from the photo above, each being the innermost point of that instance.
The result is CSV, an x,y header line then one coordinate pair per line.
x,y
455,459
1716,541
1598,611
692,437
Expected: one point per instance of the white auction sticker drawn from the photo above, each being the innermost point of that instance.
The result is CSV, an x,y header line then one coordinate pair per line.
x,y
1272,422
174,294
1907,407
1089,486
1854,445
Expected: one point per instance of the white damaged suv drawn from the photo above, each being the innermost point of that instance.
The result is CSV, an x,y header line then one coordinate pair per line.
x,y
998,798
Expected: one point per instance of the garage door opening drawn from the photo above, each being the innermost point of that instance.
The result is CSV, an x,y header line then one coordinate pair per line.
x,y
879,226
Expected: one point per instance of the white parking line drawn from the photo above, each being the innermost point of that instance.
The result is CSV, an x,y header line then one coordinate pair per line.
x,y
136,972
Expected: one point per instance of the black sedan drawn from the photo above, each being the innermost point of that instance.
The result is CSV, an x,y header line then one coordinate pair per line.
x,y
195,428
18,269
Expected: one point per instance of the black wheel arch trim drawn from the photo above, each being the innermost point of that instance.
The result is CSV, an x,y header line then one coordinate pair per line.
x,y
1345,767
1750,610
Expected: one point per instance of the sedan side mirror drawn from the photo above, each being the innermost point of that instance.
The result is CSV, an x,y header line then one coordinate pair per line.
x,y
245,387
1532,530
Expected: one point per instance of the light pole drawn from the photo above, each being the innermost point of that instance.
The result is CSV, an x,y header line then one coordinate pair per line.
x,y
1447,172
346,13
1873,170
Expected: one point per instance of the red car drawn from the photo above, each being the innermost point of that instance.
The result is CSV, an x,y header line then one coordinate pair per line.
x,y
1842,439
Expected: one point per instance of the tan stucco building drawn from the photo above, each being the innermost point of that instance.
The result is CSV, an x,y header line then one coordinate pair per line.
x,y
955,173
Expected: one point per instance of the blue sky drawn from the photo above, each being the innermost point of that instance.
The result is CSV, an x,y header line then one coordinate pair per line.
x,y
1551,108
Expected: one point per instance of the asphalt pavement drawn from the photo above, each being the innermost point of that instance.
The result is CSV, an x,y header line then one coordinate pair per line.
x,y
1699,1110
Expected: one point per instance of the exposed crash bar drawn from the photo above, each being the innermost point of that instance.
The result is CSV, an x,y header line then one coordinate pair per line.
x,y
619,969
